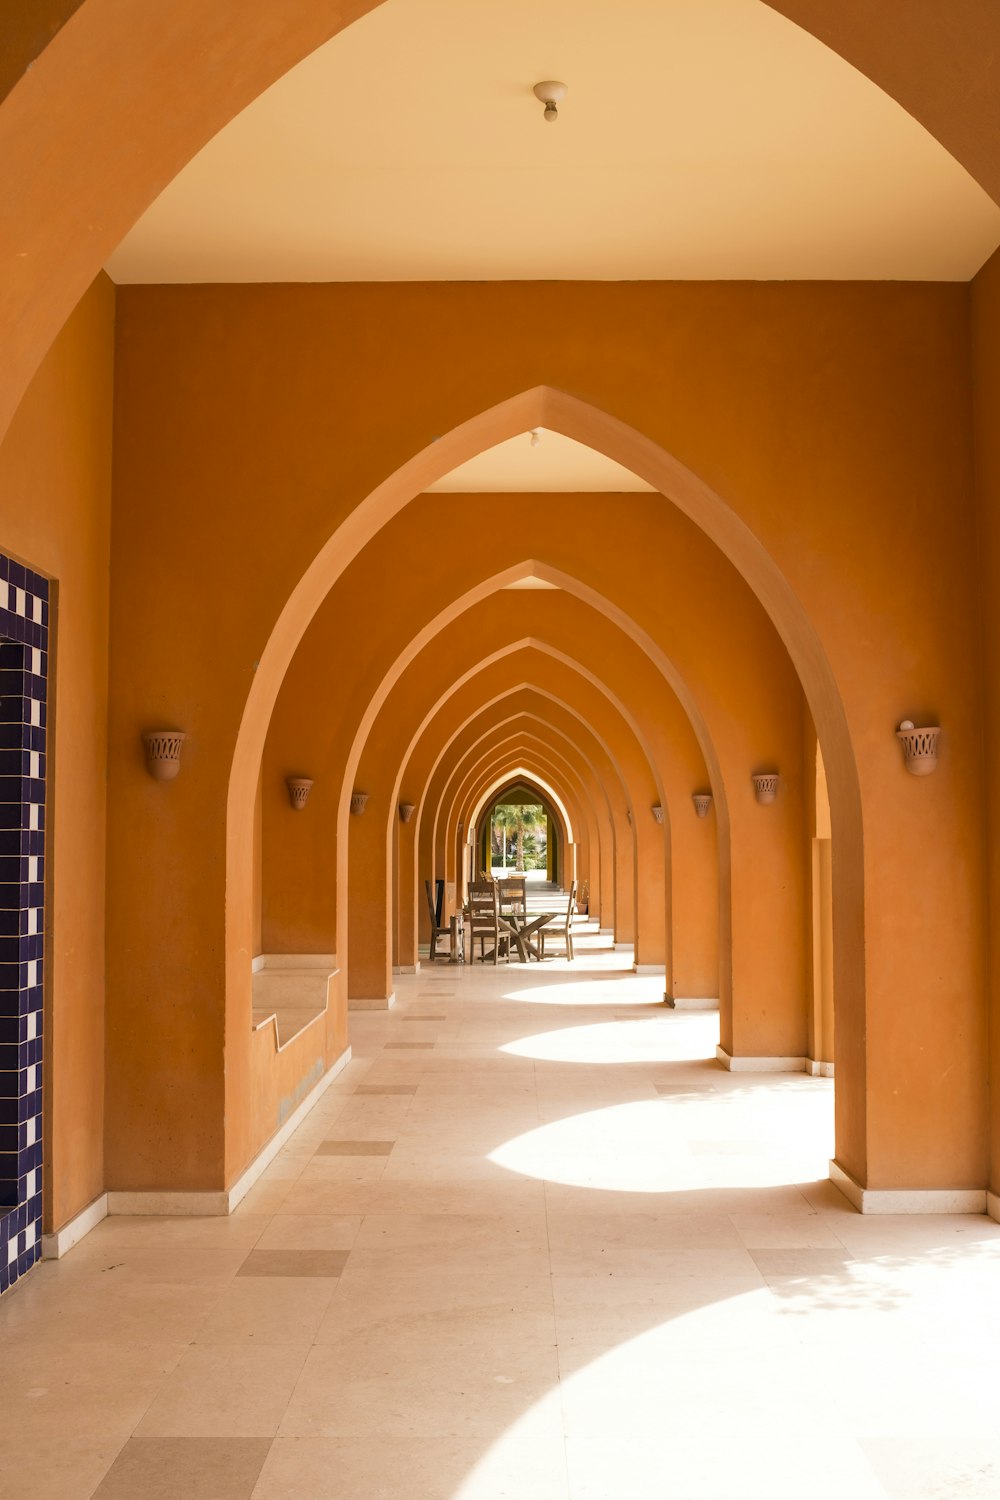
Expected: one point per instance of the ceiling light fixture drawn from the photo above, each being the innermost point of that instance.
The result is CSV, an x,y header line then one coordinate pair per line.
x,y
551,94
536,437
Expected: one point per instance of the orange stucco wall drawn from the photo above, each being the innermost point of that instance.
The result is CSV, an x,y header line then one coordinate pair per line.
x,y
985,316
55,514
824,414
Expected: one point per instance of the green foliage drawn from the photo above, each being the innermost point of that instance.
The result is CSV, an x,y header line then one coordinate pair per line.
x,y
525,827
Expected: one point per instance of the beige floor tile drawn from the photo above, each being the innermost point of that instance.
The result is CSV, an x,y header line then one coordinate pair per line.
x,y
168,1468
354,1148
552,1246
443,1389
310,1232
113,1310
58,1468
268,1310
188,1264
225,1391
87,1390
274,1264
425,1468
797,1231
219,1232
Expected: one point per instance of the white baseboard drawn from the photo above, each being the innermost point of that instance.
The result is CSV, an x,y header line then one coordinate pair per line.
x,y
690,1002
993,1206
818,1069
56,1244
385,1003
183,1205
623,947
406,968
760,1064
648,969
908,1200
293,961
605,932
169,1204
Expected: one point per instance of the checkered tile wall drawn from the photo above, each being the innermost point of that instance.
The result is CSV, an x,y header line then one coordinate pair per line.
x,y
24,629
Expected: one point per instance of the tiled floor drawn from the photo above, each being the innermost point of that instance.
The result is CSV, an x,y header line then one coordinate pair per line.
x,y
552,1253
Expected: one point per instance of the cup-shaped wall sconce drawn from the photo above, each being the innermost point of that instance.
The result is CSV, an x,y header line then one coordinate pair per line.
x,y
765,786
406,811
920,747
299,788
359,801
163,752
702,803
657,811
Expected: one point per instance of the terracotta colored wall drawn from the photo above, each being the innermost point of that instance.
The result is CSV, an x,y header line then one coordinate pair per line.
x,y
834,420
985,317
55,510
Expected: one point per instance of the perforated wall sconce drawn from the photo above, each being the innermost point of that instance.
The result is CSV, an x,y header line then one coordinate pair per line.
x,y
163,752
765,786
702,803
920,747
359,801
406,811
299,788
657,811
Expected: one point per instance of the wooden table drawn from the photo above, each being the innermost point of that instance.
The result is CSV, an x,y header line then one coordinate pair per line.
x,y
521,926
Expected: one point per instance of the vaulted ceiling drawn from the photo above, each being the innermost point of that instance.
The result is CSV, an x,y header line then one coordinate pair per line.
x,y
706,139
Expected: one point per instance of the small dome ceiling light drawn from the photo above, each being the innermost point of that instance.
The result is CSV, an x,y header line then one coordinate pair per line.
x,y
551,95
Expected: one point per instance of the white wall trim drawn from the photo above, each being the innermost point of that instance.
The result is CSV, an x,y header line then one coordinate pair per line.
x,y
690,1002
993,1206
293,961
385,1003
818,1069
648,969
760,1064
56,1244
406,968
907,1200
182,1205
622,947
270,1149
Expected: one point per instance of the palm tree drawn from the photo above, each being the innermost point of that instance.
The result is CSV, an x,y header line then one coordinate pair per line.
x,y
517,818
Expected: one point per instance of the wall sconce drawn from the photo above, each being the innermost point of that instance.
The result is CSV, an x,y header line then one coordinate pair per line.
x,y
765,786
920,747
359,801
299,788
406,811
163,752
657,811
702,803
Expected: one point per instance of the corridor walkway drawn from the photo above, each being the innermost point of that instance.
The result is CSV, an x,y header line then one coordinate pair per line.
x,y
533,1243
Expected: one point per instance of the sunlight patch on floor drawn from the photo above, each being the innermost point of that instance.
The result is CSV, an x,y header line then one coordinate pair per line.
x,y
612,1042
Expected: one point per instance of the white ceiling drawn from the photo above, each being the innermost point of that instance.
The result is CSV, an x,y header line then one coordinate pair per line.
x,y
555,463
700,139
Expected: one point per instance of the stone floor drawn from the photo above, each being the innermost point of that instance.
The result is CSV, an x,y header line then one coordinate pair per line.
x,y
534,1243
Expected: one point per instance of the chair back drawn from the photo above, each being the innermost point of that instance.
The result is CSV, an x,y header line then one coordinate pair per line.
x,y
431,911
484,905
513,893
571,906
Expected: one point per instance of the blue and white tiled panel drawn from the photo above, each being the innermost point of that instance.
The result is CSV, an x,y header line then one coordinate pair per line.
x,y
24,625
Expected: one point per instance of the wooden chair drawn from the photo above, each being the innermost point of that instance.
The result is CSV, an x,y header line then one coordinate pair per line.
x,y
562,930
513,893
484,921
436,931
